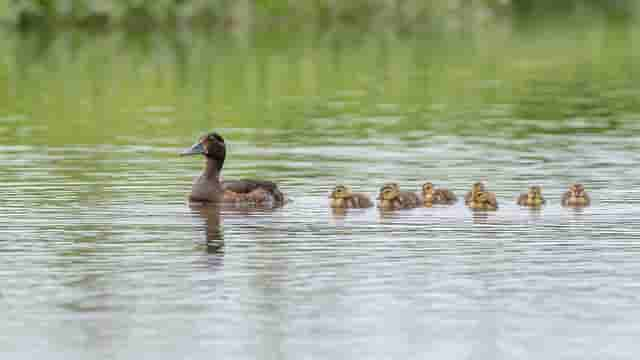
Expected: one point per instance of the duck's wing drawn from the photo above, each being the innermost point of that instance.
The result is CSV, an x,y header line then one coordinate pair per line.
x,y
565,197
467,197
247,186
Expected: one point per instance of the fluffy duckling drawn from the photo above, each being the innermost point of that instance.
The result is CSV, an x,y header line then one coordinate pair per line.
x,y
576,196
476,188
431,195
532,198
483,200
342,197
392,198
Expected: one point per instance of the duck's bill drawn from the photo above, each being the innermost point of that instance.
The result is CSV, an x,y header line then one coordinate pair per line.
x,y
196,149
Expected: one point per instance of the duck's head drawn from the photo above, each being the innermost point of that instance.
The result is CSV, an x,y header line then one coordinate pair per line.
x,y
340,192
427,188
389,191
211,146
534,193
577,190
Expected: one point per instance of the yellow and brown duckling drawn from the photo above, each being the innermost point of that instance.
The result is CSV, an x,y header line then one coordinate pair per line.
x,y
431,195
532,198
392,198
475,189
483,200
343,198
576,196
209,188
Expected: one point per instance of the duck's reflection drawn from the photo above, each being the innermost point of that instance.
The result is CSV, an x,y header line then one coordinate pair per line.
x,y
212,226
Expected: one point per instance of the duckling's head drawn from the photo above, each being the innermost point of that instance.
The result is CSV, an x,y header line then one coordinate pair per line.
x,y
481,197
534,193
577,190
427,188
340,192
212,146
389,191
477,187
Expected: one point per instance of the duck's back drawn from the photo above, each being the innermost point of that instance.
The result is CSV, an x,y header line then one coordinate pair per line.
x,y
245,187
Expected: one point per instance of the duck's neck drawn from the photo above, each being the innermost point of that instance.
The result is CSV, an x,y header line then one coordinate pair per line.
x,y
212,170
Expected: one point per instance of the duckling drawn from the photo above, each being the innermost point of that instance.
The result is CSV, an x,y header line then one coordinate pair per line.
x,y
576,196
391,198
476,188
532,198
484,200
431,195
209,188
342,197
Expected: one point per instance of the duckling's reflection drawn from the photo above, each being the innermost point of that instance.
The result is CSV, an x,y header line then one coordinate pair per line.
x,y
535,213
480,216
212,229
339,213
390,214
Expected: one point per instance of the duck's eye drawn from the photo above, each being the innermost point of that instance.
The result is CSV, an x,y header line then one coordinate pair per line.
x,y
216,137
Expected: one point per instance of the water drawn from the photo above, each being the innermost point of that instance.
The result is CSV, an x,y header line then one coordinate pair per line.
x,y
101,256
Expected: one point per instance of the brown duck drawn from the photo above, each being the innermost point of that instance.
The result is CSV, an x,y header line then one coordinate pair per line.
x,y
431,195
476,188
483,200
576,196
532,198
342,197
391,198
208,187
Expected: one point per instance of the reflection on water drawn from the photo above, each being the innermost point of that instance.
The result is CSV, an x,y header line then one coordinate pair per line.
x,y
213,235
101,256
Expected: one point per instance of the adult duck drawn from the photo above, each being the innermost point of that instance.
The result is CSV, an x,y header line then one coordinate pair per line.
x,y
208,188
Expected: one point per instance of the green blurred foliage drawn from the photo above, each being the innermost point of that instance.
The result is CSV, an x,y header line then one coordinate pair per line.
x,y
372,14
69,86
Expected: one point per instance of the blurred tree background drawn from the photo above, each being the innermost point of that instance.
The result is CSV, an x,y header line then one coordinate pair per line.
x,y
402,15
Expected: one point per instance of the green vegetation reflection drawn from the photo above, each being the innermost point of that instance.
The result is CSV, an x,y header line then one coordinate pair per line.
x,y
77,88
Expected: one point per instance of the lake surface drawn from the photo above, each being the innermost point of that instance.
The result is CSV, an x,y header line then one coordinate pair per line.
x,y
102,257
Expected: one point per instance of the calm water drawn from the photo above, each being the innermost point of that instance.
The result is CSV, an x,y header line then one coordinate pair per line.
x,y
101,256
